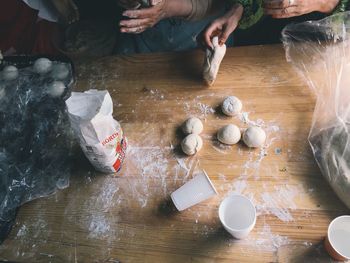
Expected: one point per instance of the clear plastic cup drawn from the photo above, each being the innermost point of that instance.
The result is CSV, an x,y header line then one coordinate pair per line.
x,y
337,242
198,189
238,215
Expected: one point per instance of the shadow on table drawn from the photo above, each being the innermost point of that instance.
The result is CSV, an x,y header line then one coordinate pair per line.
x,y
167,208
190,66
301,254
213,242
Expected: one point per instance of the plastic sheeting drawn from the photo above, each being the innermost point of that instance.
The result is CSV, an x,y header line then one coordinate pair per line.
x,y
35,135
320,51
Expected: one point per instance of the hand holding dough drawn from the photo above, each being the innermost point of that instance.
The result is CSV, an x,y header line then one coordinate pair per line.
x,y
212,61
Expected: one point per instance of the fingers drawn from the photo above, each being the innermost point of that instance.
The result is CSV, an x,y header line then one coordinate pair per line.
x,y
276,3
231,22
127,25
213,30
140,13
134,23
133,30
226,33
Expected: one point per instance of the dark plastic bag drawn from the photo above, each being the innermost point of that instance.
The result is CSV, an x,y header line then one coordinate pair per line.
x,y
320,51
35,138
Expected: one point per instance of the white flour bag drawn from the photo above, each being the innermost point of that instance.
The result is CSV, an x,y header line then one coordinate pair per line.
x,y
101,137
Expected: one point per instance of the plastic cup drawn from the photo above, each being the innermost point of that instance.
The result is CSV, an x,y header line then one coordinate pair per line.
x,y
337,242
198,189
238,215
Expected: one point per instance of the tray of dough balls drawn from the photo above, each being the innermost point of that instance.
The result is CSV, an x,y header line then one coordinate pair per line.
x,y
50,75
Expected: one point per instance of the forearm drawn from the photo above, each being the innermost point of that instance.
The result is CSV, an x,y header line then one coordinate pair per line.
x,y
179,8
203,8
252,12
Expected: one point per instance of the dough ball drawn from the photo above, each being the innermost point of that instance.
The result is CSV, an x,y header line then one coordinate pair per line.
x,y
10,73
254,137
192,144
42,66
60,72
192,125
229,134
56,89
231,106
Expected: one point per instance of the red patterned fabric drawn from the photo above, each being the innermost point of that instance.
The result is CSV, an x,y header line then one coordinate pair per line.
x,y
23,32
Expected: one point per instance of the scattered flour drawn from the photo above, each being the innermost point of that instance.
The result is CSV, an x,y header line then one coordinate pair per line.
x,y
244,117
239,186
205,109
153,172
280,202
271,241
22,231
99,226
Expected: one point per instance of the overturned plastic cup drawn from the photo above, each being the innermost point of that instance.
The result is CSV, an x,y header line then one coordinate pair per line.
x,y
238,215
337,242
198,189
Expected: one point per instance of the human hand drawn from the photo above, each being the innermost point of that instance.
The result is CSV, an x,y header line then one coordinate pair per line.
x,y
223,26
292,8
144,18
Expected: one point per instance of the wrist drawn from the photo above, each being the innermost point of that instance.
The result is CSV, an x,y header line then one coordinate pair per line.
x,y
328,6
178,8
235,10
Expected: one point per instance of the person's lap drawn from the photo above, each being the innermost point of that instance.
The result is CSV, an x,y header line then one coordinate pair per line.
x,y
168,35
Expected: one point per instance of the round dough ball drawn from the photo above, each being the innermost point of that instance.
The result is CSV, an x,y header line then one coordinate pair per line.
x,y
60,72
56,89
192,125
229,134
10,73
42,66
192,144
254,137
231,106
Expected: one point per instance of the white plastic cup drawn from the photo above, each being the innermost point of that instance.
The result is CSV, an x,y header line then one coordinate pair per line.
x,y
198,189
238,215
337,242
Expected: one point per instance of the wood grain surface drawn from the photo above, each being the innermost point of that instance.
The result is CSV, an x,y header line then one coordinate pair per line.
x,y
129,218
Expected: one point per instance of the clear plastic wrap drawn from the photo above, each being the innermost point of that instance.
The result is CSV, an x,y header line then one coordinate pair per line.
x,y
320,51
35,136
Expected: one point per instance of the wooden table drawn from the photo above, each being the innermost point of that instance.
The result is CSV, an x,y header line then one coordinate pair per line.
x,y
129,218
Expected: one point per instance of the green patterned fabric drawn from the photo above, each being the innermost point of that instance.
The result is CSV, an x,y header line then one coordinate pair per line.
x,y
342,6
252,12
